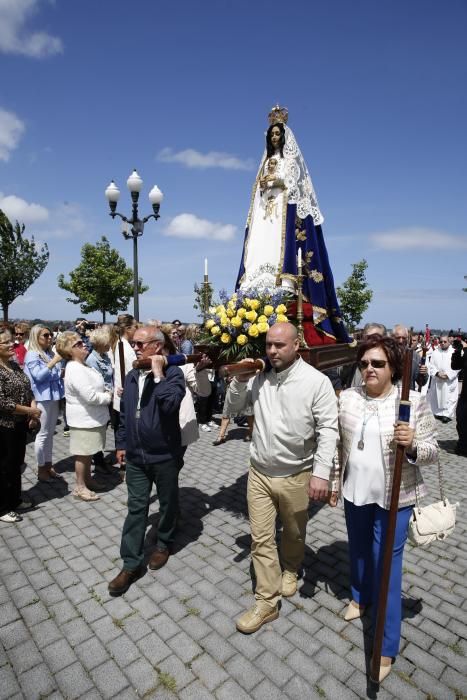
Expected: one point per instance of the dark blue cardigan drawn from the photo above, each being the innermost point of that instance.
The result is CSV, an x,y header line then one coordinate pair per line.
x,y
155,435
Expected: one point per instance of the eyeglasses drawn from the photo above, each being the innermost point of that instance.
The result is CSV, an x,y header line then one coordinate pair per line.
x,y
46,335
140,343
78,344
20,334
376,364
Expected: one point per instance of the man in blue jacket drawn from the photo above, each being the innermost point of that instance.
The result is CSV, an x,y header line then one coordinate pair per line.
x,y
148,439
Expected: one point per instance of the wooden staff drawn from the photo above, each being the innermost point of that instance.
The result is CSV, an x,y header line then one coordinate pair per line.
x,y
404,416
170,360
121,356
242,367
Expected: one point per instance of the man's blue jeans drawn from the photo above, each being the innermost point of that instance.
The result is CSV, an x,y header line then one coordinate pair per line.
x,y
139,480
366,527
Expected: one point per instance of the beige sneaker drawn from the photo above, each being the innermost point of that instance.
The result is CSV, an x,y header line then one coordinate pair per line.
x,y
289,584
252,620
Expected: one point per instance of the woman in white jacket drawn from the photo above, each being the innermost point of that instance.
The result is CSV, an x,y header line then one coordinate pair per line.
x,y
87,404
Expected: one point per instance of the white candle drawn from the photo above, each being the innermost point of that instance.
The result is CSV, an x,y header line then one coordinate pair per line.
x,y
206,267
299,258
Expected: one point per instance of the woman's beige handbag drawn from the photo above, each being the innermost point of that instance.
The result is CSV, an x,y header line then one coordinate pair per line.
x,y
433,522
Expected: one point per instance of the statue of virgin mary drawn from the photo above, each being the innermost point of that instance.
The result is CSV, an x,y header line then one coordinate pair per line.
x,y
284,216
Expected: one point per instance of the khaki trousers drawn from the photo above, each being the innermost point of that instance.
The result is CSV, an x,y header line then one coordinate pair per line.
x,y
268,497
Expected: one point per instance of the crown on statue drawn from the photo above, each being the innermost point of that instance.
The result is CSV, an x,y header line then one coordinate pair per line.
x,y
278,115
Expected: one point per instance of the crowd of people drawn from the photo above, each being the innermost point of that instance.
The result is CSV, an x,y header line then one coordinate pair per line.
x,y
318,437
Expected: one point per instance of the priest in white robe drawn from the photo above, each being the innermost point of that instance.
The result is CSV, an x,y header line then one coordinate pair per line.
x,y
443,391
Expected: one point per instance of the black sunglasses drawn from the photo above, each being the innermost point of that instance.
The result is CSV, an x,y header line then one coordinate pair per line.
x,y
46,335
376,364
140,343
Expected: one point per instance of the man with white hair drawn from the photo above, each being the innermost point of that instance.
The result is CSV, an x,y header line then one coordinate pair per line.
x,y
443,392
149,439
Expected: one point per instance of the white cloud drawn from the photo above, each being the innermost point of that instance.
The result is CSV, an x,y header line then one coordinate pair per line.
x,y
11,130
214,159
68,221
419,238
16,38
18,209
191,226
64,221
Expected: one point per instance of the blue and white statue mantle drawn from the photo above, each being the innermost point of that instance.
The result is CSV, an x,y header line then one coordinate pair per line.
x,y
284,215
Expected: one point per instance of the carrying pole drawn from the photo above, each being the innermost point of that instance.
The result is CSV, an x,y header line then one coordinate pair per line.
x,y
404,416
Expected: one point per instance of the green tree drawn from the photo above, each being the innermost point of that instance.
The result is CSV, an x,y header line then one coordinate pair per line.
x,y
22,261
355,295
102,281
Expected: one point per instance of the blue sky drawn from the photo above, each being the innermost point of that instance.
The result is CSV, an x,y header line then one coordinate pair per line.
x,y
181,91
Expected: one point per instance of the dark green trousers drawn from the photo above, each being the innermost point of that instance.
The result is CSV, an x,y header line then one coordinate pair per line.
x,y
139,480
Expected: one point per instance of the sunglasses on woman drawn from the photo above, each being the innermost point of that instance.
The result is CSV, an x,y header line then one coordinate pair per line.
x,y
376,364
78,344
46,335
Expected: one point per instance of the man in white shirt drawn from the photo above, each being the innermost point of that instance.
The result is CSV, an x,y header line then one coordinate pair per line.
x,y
292,448
443,391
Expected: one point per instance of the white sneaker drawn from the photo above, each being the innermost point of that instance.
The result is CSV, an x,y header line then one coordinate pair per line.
x,y
213,424
205,428
10,517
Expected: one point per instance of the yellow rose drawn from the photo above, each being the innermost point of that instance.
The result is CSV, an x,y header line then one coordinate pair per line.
x,y
209,324
231,304
281,318
230,313
225,338
251,315
247,303
241,312
220,309
281,309
268,310
224,321
263,327
215,330
242,339
254,304
236,322
253,330
262,319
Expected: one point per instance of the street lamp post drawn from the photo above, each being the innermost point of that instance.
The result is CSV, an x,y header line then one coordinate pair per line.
x,y
112,194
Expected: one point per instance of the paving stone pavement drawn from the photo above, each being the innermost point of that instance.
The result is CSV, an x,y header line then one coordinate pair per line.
x,y
173,634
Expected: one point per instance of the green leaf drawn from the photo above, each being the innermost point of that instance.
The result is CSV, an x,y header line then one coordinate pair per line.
x,y
102,281
22,262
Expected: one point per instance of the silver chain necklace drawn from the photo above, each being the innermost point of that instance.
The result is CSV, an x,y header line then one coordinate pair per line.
x,y
373,408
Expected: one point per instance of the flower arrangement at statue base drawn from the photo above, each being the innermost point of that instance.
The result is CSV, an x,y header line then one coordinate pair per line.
x,y
238,324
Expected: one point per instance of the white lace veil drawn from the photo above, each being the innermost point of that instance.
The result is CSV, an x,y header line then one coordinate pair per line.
x,y
300,190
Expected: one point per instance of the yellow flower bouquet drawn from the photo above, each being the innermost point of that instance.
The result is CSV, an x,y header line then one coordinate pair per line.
x,y
238,324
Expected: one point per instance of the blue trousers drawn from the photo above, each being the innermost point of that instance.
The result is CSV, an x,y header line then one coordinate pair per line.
x,y
366,527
